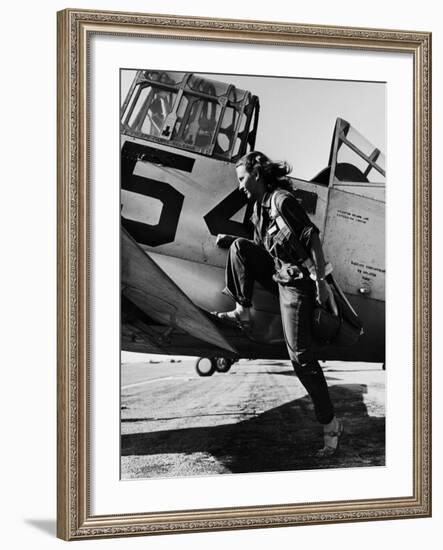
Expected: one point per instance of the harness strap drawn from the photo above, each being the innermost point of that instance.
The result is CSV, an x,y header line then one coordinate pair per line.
x,y
299,249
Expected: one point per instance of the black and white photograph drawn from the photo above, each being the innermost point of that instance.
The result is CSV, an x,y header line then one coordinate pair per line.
x,y
207,207
252,253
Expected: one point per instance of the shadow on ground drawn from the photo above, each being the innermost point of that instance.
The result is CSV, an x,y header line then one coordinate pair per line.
x,y
283,438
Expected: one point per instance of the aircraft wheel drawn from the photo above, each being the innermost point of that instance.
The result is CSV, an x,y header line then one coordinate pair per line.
x,y
223,364
205,366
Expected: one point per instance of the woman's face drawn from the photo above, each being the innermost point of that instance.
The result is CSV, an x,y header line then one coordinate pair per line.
x,y
248,182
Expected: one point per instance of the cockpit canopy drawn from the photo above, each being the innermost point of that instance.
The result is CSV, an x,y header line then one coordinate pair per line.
x,y
191,112
351,147
352,158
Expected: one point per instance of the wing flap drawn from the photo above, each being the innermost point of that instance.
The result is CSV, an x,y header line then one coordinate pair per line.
x,y
145,284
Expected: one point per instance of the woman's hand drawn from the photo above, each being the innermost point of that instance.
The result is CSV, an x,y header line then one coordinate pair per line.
x,y
224,241
318,260
322,292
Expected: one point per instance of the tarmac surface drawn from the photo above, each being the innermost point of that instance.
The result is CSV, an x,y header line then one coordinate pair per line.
x,y
255,418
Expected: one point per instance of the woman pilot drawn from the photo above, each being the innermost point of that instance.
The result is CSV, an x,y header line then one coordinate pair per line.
x,y
284,238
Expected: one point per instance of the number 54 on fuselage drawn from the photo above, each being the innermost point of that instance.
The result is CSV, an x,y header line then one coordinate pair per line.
x,y
181,136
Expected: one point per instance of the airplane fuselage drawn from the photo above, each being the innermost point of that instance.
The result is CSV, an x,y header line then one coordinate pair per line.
x,y
176,202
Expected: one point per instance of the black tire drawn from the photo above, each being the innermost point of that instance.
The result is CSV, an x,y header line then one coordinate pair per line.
x,y
205,366
223,364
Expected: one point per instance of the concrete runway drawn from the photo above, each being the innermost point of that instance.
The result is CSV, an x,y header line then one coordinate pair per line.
x,y
255,418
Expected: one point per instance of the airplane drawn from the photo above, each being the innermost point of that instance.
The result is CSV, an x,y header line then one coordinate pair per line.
x,y
181,135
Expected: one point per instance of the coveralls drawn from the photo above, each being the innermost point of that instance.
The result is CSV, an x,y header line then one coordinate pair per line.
x,y
282,230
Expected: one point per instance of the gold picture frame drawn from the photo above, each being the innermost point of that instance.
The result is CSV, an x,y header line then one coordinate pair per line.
x,y
75,28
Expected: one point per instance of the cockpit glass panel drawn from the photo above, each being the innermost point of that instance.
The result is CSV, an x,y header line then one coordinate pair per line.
x,y
152,106
226,132
161,105
141,97
356,150
229,119
164,77
201,123
236,95
209,87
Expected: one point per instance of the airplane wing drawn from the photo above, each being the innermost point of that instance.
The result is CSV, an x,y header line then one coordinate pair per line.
x,y
154,307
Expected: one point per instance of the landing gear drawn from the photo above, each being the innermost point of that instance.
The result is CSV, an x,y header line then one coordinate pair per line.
x,y
223,364
206,366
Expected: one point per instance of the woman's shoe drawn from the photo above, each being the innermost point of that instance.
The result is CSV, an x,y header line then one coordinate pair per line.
x,y
233,319
331,441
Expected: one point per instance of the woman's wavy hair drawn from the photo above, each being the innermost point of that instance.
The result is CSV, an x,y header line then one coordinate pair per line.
x,y
274,174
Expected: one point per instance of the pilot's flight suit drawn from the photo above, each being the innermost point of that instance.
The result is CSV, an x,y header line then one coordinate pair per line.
x,y
282,230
